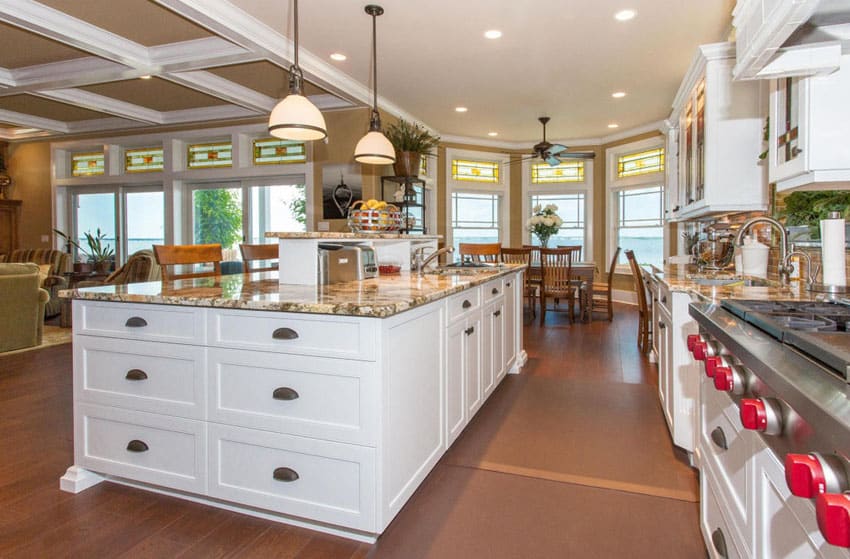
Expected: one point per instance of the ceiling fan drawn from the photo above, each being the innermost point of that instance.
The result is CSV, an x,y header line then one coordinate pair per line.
x,y
555,154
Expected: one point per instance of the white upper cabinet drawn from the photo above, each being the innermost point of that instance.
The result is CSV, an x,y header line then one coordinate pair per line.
x,y
808,147
779,38
719,139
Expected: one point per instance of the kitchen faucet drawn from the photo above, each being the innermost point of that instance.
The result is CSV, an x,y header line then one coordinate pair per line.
x,y
420,264
783,267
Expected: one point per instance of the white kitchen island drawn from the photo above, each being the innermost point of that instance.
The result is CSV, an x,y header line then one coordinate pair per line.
x,y
320,406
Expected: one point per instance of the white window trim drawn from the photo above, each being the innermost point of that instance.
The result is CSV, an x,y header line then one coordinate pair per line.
x,y
614,185
572,187
502,188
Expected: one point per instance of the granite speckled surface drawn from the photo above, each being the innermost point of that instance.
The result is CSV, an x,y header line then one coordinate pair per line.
x,y
342,235
379,297
682,278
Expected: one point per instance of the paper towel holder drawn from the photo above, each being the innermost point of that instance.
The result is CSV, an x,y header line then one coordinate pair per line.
x,y
825,287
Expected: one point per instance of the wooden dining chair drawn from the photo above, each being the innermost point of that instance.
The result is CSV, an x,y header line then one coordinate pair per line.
x,y
180,255
576,251
558,283
253,253
535,272
599,294
644,332
480,252
531,290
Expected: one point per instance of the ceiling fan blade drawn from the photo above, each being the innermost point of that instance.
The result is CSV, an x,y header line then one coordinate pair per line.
x,y
556,149
552,160
578,155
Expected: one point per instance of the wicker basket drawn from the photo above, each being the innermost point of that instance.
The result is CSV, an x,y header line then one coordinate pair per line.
x,y
364,220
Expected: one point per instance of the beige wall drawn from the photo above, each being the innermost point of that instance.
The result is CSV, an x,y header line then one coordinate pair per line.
x,y
29,167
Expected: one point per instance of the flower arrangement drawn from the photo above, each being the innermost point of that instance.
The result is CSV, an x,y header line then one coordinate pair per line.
x,y
544,222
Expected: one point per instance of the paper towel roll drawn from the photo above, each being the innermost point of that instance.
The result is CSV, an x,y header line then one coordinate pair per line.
x,y
832,251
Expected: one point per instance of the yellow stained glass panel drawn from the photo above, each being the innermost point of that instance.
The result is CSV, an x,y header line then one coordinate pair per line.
x,y
87,164
640,163
143,160
475,171
274,151
567,171
212,155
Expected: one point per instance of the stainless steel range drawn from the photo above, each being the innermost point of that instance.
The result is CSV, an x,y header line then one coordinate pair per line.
x,y
786,364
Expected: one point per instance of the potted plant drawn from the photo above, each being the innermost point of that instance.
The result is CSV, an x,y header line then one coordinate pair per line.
x,y
411,141
100,253
544,223
80,267
803,211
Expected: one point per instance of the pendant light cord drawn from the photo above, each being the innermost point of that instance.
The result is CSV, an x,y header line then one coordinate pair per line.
x,y
374,64
296,76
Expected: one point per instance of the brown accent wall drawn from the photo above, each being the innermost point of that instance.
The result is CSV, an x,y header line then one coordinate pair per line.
x,y
29,167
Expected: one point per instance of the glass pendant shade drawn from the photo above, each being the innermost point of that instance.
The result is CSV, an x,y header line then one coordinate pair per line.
x,y
374,149
296,118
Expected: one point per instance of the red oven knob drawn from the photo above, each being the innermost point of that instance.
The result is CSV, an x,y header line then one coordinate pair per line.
x,y
724,379
758,414
700,350
833,512
712,363
803,473
692,339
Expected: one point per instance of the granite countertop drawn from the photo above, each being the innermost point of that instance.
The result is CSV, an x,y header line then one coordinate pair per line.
x,y
379,297
682,278
343,235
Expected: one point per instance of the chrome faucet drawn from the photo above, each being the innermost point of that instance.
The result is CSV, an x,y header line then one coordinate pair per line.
x,y
812,273
420,264
783,268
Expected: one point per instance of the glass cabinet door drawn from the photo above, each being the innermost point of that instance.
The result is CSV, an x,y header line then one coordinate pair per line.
x,y
699,187
688,159
788,113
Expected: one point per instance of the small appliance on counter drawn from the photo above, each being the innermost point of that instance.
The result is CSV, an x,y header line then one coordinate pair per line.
x,y
339,263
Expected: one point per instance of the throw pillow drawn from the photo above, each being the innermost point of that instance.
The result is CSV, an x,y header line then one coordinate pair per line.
x,y
43,272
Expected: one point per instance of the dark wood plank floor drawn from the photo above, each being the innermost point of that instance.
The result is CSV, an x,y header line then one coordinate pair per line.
x,y
108,520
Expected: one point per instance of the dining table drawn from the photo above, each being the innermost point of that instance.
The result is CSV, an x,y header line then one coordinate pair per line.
x,y
583,271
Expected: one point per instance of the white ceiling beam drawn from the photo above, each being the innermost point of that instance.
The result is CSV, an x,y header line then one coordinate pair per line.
x,y
100,124
56,25
103,104
218,112
224,89
198,54
30,121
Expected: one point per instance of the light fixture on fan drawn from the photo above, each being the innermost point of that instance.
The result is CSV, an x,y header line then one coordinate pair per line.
x,y
295,117
374,148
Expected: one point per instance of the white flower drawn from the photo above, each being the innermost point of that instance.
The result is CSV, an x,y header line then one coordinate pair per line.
x,y
537,208
551,208
548,221
558,220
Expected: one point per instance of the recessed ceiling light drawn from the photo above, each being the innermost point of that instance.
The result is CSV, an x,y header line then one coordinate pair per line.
x,y
145,77
618,94
625,15
613,125
492,133
339,57
461,109
493,34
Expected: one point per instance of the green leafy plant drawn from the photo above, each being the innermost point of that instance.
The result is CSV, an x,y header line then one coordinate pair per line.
x,y
98,250
218,217
410,136
809,208
69,242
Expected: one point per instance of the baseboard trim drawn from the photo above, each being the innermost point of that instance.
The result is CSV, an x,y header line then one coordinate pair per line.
x,y
623,296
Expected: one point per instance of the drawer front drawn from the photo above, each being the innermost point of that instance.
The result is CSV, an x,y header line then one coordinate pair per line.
x,y
164,323
464,303
332,399
301,334
665,297
161,450
324,481
732,466
493,290
720,541
145,376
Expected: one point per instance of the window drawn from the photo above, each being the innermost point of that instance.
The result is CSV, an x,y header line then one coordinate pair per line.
x,y
640,163
571,208
475,218
144,218
475,171
423,166
93,211
640,223
567,171
277,208
217,218
143,160
205,156
87,164
272,151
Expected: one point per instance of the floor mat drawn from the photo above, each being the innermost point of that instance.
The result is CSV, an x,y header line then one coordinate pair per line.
x,y
590,433
465,513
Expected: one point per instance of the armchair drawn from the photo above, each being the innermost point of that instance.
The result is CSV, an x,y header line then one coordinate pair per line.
x,y
21,306
55,280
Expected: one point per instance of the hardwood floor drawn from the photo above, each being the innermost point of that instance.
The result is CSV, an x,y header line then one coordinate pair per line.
x,y
109,520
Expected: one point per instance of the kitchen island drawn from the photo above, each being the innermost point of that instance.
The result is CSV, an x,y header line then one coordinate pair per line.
x,y
323,406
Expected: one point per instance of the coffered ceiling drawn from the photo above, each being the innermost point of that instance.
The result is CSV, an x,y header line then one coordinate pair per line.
x,y
76,66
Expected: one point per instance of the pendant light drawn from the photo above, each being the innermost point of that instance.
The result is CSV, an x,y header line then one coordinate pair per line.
x,y
374,148
295,117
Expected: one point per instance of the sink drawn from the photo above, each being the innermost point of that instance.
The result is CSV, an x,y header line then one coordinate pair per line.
x,y
465,269
465,265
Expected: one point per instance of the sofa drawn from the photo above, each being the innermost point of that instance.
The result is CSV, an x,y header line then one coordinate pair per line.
x,y
22,304
55,280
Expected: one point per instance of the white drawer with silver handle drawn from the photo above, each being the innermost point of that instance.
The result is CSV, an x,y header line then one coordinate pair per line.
x,y
161,323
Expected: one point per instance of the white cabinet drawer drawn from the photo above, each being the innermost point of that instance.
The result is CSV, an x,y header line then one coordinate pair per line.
x,y
324,481
310,396
665,297
493,290
720,540
145,376
345,337
463,303
163,323
156,449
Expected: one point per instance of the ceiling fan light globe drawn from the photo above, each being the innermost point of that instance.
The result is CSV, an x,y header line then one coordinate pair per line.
x,y
296,118
374,149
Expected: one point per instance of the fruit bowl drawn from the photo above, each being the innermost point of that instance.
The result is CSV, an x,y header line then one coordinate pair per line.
x,y
380,218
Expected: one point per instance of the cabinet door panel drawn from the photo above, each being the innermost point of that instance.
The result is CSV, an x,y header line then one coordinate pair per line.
x,y
474,384
455,385
512,287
